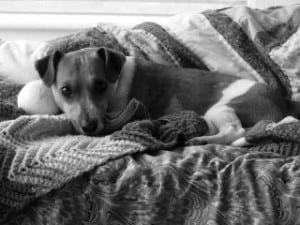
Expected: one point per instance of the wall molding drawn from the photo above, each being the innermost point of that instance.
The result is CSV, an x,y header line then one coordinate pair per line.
x,y
46,19
113,7
261,4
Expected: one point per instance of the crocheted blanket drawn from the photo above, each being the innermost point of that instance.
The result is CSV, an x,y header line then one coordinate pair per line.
x,y
144,173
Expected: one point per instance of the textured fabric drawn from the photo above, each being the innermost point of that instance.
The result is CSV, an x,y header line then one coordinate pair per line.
x,y
199,35
246,42
134,110
8,100
247,50
143,174
39,153
186,58
91,37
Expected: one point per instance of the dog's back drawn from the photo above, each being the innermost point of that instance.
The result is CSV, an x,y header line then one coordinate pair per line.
x,y
164,89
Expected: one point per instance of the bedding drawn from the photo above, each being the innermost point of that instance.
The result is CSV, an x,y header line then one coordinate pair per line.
x,y
144,173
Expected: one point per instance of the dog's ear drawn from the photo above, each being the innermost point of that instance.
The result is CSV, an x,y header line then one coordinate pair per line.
x,y
113,61
47,67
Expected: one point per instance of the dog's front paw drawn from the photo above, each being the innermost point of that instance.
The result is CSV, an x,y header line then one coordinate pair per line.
x,y
217,139
213,139
197,141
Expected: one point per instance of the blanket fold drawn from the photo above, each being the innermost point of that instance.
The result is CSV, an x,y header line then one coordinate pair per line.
x,y
183,55
40,154
142,168
249,51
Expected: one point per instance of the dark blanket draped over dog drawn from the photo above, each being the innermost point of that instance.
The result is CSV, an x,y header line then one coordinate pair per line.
x,y
144,173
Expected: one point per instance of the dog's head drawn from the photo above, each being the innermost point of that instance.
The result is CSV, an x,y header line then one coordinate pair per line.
x,y
82,83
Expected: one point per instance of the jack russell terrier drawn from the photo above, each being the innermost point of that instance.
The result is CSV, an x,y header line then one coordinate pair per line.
x,y
91,83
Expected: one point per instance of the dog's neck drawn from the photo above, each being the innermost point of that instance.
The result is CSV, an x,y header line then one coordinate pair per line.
x,y
151,84
144,81
120,98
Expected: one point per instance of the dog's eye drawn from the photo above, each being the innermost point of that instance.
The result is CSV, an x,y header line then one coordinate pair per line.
x,y
99,87
66,91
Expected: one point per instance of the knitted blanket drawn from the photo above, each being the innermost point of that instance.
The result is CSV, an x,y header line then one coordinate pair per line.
x,y
144,173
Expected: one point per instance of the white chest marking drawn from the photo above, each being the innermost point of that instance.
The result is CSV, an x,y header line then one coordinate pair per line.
x,y
236,89
123,85
220,114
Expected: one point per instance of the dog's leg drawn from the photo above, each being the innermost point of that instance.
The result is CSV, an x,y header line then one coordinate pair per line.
x,y
224,127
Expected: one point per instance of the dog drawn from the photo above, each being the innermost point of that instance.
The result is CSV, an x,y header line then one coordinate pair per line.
x,y
91,83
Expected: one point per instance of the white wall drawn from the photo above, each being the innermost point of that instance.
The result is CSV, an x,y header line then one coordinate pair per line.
x,y
261,4
47,19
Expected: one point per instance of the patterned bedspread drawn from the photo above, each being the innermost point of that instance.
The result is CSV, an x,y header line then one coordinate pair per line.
x,y
144,173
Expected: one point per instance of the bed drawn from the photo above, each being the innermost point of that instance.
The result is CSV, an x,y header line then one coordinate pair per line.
x,y
144,173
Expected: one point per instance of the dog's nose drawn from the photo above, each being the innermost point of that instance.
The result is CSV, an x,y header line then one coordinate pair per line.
x,y
90,126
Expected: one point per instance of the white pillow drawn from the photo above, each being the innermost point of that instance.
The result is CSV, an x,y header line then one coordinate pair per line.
x,y
36,98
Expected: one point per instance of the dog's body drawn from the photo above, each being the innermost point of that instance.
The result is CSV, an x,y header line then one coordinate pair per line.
x,y
164,89
92,83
